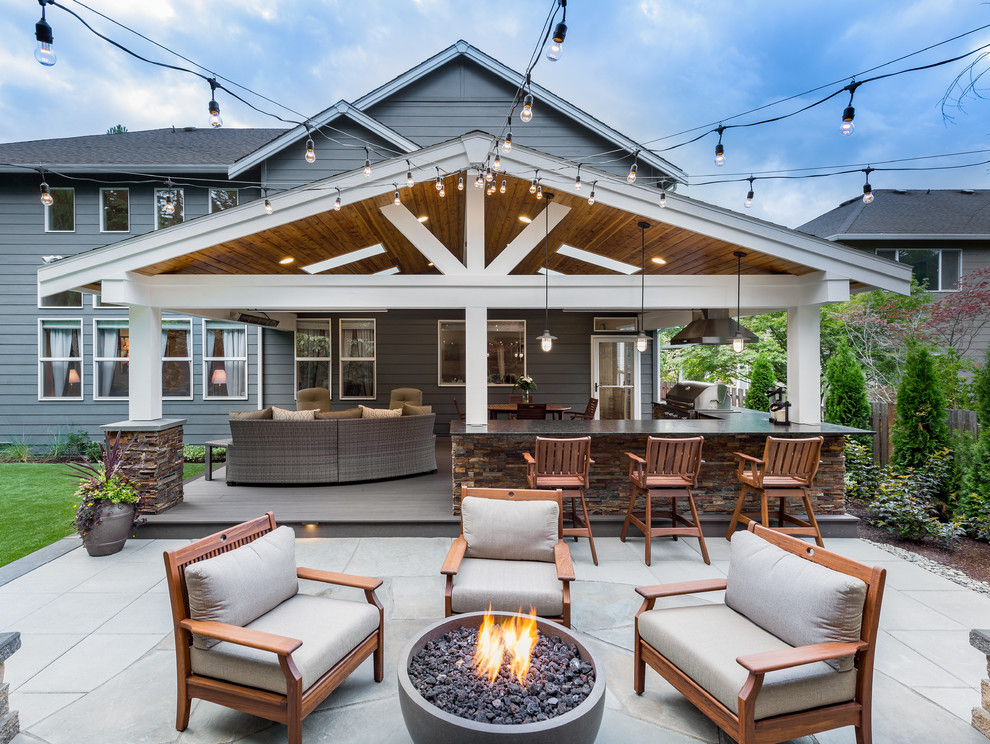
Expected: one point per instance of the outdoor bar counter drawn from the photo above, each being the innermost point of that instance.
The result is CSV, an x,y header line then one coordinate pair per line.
x,y
491,456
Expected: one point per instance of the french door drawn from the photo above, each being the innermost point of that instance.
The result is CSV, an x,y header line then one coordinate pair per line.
x,y
615,377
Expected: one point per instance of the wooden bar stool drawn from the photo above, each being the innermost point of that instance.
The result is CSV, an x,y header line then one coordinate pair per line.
x,y
669,471
564,464
787,470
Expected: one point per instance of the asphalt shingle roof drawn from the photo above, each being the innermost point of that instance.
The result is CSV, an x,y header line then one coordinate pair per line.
x,y
923,212
173,146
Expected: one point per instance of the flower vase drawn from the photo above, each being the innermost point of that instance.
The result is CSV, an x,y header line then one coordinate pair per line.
x,y
110,534
527,398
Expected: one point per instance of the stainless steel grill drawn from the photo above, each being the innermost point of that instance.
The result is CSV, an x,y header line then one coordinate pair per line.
x,y
689,398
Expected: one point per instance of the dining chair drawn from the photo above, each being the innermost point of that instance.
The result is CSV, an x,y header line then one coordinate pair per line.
x,y
589,411
518,399
457,407
531,411
565,464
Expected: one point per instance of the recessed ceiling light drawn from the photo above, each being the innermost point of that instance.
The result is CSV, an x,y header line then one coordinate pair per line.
x,y
429,263
332,263
424,218
597,260
287,260
524,218
658,260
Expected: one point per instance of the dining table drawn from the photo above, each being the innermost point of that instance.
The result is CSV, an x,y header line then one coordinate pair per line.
x,y
555,410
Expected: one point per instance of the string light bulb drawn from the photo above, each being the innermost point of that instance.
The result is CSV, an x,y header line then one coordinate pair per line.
x,y
46,195
43,34
532,186
397,201
719,149
310,151
507,145
527,110
336,204
577,179
849,113
215,121
632,172
555,45
409,178
749,195
497,163
367,163
539,191
169,206
502,187
460,183
439,182
268,204
489,176
443,191
663,200
591,196
867,189
479,181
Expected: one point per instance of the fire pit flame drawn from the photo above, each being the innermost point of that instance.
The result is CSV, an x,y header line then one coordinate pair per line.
x,y
513,637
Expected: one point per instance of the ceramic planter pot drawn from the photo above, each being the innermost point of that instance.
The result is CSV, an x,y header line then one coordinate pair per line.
x,y
109,536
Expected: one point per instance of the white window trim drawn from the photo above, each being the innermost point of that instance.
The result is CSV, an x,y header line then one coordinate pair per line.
x,y
103,213
52,189
341,359
41,360
441,383
941,254
62,307
189,359
97,359
157,213
328,359
98,306
209,198
208,359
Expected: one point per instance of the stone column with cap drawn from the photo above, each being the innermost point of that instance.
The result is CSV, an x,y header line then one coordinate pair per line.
x,y
9,723
980,640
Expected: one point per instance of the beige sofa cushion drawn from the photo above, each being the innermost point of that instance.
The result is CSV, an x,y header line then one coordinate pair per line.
x,y
410,410
284,414
262,414
800,602
704,641
328,628
509,586
509,530
349,413
371,413
240,585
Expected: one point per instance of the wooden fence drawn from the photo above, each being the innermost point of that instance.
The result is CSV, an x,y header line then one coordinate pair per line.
x,y
882,416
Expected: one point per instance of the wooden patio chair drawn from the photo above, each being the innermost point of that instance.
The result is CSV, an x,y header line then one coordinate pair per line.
x,y
669,471
531,411
589,411
790,653
565,464
510,556
457,407
246,639
516,398
787,470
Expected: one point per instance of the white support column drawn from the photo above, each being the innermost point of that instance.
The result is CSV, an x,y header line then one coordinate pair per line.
x,y
804,364
145,363
474,226
476,366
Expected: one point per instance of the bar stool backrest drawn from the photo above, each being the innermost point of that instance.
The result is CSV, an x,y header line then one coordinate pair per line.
x,y
556,457
675,457
792,458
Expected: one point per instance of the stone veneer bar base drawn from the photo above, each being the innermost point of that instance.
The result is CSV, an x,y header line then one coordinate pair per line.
x,y
980,640
154,460
9,722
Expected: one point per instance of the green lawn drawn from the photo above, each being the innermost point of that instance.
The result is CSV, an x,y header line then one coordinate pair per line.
x,y
37,506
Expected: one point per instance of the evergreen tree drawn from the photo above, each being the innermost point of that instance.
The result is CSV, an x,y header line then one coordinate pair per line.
x,y
761,379
845,402
920,428
977,479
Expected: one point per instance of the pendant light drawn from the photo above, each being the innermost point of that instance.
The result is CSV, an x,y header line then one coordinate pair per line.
x,y
738,341
642,340
546,340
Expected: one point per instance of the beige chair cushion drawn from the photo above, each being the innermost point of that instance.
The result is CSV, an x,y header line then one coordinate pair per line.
x,y
800,602
380,412
243,584
413,396
328,628
507,586
284,414
317,398
410,410
350,413
704,641
263,414
509,530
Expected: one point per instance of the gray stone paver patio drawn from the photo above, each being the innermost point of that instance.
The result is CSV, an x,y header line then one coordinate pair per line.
x,y
97,662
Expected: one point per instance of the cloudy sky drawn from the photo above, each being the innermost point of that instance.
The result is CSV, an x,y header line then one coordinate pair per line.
x,y
649,68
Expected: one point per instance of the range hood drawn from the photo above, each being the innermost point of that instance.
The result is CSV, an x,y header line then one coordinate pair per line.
x,y
711,328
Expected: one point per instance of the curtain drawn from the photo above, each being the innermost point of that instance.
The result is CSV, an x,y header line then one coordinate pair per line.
x,y
109,343
235,345
60,345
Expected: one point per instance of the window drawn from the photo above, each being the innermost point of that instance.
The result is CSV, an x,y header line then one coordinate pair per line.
x,y
60,359
162,199
357,359
224,359
622,325
506,351
111,342
61,215
938,269
69,298
115,210
221,199
312,354
177,358
99,304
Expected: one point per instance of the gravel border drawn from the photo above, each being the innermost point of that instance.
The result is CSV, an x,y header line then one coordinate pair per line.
x,y
935,567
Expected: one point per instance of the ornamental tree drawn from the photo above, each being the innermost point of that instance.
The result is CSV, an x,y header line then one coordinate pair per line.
x,y
845,400
761,379
920,428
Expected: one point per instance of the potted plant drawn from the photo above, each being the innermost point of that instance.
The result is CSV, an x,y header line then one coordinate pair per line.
x,y
107,499
527,385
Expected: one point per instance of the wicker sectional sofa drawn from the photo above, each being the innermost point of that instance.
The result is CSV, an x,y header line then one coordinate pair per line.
x,y
330,451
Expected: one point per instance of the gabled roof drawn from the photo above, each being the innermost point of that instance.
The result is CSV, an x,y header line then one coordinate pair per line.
x,y
176,149
897,213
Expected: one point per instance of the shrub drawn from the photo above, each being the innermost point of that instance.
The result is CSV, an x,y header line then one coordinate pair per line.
x,y
921,428
863,475
975,513
845,402
82,445
197,453
761,379
16,450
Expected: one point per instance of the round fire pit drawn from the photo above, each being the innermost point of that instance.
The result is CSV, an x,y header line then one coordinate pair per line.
x,y
428,724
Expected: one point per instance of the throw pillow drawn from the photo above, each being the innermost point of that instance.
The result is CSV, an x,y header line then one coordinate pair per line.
x,y
264,413
350,413
241,585
284,414
411,410
509,530
380,412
